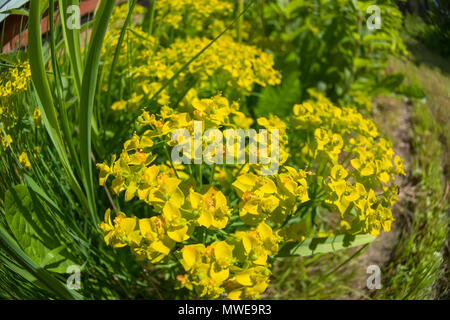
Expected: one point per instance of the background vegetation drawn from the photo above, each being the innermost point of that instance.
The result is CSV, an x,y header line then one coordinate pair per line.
x,y
397,75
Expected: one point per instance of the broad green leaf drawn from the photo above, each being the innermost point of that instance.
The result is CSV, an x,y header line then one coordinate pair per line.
x,y
48,281
283,97
31,225
323,245
5,6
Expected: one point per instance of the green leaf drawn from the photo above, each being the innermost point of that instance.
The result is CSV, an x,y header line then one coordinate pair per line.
x,y
88,90
18,12
31,225
323,245
48,281
280,99
392,81
72,43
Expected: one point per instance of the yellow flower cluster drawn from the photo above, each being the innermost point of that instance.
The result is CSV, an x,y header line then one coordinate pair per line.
x,y
223,234
240,66
172,12
236,265
353,173
6,141
265,198
24,161
360,165
15,80
120,13
224,66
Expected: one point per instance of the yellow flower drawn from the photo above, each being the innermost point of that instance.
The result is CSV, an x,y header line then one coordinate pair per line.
x,y
6,141
153,231
122,232
211,208
207,268
258,197
24,161
37,117
255,245
250,283
119,105
177,227
166,191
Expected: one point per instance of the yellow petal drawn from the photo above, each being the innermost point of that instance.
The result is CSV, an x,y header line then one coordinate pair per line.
x,y
205,219
178,234
219,276
243,278
235,294
191,255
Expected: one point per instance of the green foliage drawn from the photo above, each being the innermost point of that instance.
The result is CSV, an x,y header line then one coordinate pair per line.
x,y
328,46
434,29
324,245
279,99
30,223
47,221
437,34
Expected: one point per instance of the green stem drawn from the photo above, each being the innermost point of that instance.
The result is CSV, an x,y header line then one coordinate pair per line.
x,y
240,20
166,150
152,16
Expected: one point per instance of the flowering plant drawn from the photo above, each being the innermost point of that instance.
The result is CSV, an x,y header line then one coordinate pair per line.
x,y
121,109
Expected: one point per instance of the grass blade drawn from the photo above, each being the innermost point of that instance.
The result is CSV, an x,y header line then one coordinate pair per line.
x,y
72,42
88,89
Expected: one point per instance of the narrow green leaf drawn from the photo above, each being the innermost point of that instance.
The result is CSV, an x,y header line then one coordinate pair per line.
x,y
88,90
18,12
119,46
323,245
72,42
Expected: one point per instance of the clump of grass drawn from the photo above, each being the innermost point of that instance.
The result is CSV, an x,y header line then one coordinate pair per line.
x,y
418,258
420,267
